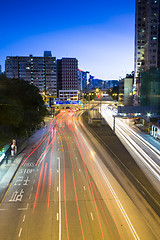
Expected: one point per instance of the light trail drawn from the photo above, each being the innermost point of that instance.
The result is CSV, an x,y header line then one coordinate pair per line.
x,y
50,168
154,150
35,149
124,132
40,178
64,176
40,142
134,233
44,178
88,151
89,183
104,215
74,186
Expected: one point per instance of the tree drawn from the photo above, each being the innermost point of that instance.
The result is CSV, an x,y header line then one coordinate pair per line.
x,y
21,108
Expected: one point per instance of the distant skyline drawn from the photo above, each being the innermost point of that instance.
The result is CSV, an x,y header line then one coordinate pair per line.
x,y
99,34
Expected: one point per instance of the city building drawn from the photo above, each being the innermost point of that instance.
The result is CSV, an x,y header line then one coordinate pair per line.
x,y
147,38
0,69
150,88
94,83
83,77
67,79
40,71
110,84
125,90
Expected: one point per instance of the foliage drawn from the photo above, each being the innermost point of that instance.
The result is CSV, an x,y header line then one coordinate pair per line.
x,y
21,108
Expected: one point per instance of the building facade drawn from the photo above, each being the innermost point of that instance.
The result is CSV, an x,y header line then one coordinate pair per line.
x,y
67,78
83,77
40,71
150,88
147,39
125,90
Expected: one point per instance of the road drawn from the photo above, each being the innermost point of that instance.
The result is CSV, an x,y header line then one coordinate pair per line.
x,y
145,153
62,190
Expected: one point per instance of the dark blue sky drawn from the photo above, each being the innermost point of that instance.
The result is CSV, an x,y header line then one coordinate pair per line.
x,y
100,34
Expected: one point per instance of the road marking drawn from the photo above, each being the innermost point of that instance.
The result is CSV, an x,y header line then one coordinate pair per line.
x,y
30,196
20,232
59,199
92,216
3,209
84,188
135,235
26,181
79,169
29,164
32,188
24,217
57,217
17,196
57,189
22,209
57,171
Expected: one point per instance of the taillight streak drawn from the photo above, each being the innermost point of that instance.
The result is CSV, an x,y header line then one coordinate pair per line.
x,y
74,185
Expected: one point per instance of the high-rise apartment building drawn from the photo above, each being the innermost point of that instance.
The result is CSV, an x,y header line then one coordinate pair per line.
x,y
40,71
67,78
147,38
83,79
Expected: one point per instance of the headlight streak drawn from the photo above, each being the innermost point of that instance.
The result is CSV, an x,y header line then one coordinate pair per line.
x,y
155,151
150,164
135,235
140,153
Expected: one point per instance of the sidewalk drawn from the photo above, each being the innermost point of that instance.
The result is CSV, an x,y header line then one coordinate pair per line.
x,y
8,171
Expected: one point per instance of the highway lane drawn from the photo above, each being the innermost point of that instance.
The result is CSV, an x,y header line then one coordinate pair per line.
x,y
91,223
138,201
146,155
50,198
63,191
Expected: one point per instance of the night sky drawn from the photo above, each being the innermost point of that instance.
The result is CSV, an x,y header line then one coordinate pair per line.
x,y
100,34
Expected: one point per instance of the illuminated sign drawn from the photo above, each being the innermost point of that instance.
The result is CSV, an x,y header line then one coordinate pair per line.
x,y
67,102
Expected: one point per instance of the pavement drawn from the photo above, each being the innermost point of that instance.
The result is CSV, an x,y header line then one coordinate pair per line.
x,y
8,170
